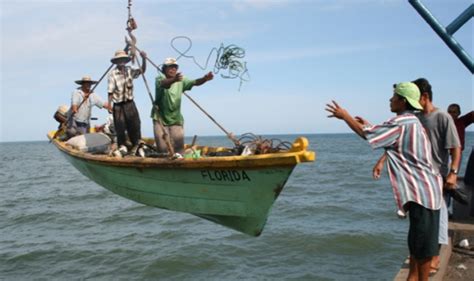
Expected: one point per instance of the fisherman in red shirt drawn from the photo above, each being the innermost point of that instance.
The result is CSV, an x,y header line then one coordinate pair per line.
x,y
461,122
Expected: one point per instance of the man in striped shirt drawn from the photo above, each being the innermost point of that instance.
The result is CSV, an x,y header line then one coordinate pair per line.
x,y
417,187
120,89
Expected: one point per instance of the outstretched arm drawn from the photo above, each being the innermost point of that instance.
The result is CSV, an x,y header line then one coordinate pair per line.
x,y
204,79
341,113
166,83
468,118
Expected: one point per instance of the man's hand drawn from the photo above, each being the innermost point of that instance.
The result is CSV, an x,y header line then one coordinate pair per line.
x,y
451,181
109,107
143,54
209,76
378,167
178,77
362,121
336,110
341,113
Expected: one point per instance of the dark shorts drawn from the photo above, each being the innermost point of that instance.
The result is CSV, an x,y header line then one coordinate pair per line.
x,y
423,232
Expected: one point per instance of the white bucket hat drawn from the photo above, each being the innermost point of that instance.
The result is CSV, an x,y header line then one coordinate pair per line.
x,y
170,61
85,79
120,55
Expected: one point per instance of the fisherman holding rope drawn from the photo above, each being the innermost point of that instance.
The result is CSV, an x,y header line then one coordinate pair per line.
x,y
120,89
169,87
82,101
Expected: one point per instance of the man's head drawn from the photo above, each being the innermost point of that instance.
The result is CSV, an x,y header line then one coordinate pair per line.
x,y
170,67
86,83
454,110
405,97
426,94
120,58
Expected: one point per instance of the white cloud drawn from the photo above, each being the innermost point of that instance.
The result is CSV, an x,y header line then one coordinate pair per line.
x,y
42,36
68,29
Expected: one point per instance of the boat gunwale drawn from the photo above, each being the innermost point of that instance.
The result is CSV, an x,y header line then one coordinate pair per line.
x,y
291,158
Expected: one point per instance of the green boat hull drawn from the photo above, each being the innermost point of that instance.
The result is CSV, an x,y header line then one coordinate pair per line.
x,y
234,191
237,198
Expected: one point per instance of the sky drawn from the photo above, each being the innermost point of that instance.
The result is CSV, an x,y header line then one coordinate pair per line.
x,y
300,55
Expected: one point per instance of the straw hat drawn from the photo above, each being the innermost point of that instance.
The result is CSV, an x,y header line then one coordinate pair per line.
x,y
120,55
85,79
170,61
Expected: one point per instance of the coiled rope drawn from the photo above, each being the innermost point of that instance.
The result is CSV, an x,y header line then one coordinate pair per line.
x,y
227,58
260,145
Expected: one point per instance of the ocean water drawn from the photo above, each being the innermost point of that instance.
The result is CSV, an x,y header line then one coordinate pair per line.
x,y
332,221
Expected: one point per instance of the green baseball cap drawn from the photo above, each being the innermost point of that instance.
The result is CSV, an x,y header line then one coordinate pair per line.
x,y
409,91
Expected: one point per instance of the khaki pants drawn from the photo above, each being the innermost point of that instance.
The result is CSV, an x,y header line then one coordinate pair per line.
x,y
176,135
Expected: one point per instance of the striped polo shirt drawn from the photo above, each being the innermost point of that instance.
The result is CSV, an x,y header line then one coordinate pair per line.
x,y
410,168
120,84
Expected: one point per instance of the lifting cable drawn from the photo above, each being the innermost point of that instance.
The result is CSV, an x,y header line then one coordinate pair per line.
x,y
132,25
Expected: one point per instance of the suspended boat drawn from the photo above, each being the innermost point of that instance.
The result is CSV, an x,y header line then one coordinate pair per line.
x,y
234,191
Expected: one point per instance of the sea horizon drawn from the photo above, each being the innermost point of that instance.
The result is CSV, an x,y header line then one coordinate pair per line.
x,y
224,136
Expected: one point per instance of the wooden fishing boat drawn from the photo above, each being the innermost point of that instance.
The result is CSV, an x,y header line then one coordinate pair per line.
x,y
234,191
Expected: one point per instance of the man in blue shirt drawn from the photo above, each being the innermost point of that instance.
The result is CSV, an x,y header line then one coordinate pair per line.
x,y
82,101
